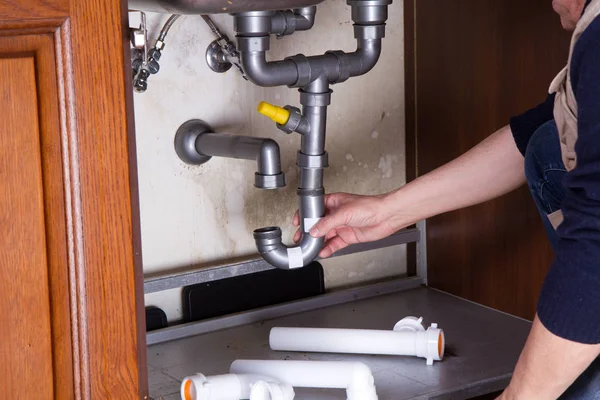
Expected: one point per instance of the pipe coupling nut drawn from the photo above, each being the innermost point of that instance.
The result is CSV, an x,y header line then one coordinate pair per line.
x,y
318,192
369,12
290,23
269,182
312,162
304,70
315,99
253,44
268,236
344,65
253,23
369,32
368,3
293,122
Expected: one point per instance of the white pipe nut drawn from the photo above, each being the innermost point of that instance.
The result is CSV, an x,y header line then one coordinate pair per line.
x,y
429,344
262,390
234,387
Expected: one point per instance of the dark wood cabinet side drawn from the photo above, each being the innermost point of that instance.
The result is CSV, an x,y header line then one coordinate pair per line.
x,y
479,62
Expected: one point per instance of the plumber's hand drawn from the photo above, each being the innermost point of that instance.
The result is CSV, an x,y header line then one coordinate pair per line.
x,y
351,219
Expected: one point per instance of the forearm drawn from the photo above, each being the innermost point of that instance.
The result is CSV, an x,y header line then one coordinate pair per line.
x,y
548,365
490,169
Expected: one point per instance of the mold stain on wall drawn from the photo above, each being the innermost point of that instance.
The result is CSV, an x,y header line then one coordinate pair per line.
x,y
199,215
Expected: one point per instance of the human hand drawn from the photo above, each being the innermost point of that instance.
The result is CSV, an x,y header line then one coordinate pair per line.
x,y
351,219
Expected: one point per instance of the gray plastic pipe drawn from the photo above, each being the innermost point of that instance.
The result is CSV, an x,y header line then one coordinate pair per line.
x,y
288,72
311,161
268,74
195,143
313,75
264,151
289,21
253,30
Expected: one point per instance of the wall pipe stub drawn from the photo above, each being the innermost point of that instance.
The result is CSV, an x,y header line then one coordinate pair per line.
x,y
195,144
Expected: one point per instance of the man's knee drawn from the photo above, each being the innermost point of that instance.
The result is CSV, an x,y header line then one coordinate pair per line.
x,y
543,152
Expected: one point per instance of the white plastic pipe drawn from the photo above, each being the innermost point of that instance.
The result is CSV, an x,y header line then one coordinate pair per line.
x,y
355,377
234,387
409,338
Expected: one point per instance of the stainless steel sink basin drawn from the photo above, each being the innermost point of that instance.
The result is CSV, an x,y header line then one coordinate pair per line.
x,y
216,6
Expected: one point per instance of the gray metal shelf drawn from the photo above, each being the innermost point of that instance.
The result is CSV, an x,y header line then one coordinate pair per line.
x,y
193,275
483,345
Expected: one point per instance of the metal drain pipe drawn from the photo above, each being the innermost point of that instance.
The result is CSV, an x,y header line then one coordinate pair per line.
x,y
311,160
313,75
289,21
253,30
195,144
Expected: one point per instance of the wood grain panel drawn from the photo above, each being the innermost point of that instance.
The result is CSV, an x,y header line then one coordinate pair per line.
x,y
26,345
478,62
103,164
12,10
39,49
86,178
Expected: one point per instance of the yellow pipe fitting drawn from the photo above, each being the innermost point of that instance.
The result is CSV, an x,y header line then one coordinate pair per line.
x,y
277,114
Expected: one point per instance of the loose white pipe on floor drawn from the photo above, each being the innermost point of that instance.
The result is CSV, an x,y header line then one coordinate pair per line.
x,y
355,377
234,387
409,338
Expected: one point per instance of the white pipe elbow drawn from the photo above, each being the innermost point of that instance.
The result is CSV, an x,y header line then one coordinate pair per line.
x,y
355,377
362,384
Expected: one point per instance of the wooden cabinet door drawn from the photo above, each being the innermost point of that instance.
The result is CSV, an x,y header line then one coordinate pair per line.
x,y
71,302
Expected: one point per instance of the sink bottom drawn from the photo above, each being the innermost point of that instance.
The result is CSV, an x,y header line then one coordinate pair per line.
x,y
216,6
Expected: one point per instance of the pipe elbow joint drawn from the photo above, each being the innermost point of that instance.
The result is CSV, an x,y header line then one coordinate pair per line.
x,y
370,57
271,248
365,57
362,385
269,175
268,74
256,71
269,150
287,22
305,18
